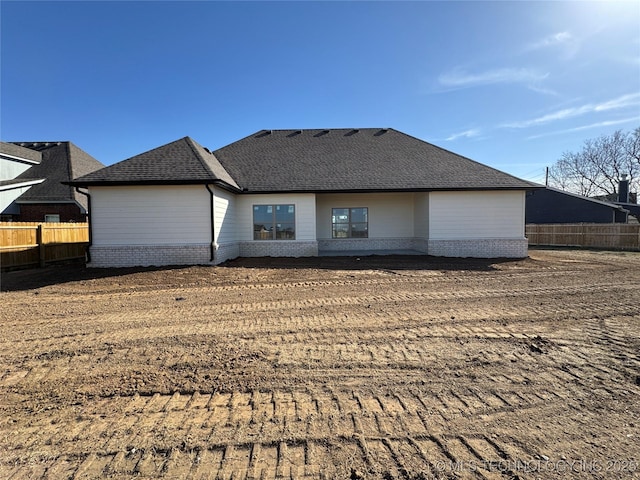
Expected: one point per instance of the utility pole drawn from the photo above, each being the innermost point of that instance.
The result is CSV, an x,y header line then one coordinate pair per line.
x,y
546,178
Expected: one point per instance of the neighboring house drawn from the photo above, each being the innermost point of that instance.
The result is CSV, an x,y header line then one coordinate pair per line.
x,y
15,161
550,205
302,193
31,188
625,199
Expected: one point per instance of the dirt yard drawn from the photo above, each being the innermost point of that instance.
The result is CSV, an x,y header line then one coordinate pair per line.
x,y
330,368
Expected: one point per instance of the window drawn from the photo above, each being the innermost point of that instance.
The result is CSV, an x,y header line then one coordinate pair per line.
x,y
52,218
274,222
350,222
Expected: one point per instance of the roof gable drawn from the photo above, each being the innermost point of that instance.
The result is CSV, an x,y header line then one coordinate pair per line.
x,y
369,159
182,161
60,162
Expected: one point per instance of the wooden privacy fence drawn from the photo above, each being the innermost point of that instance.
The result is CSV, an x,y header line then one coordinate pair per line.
x,y
614,236
36,244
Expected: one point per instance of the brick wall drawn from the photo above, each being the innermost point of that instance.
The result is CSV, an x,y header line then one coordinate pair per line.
x,y
35,212
226,251
151,255
479,248
345,244
277,248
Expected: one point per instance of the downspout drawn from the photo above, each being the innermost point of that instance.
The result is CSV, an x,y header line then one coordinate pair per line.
x,y
213,225
86,194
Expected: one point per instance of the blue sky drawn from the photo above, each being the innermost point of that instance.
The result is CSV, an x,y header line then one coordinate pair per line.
x,y
509,84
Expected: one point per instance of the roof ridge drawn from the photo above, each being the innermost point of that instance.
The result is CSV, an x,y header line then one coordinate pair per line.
x,y
191,142
70,169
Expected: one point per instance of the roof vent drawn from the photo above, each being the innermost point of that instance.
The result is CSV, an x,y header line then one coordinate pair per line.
x,y
207,150
320,134
264,133
352,132
382,131
294,133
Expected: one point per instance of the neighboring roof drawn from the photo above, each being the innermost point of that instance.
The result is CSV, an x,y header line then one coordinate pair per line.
x,y
181,162
20,153
61,162
551,205
338,160
633,208
589,199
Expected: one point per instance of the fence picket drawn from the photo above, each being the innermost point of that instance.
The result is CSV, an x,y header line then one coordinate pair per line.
x,y
615,236
25,244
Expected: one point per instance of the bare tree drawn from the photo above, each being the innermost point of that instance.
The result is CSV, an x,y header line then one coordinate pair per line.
x,y
597,169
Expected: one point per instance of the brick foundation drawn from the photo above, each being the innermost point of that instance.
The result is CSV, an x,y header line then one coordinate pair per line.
x,y
226,251
280,248
149,255
346,244
159,255
479,248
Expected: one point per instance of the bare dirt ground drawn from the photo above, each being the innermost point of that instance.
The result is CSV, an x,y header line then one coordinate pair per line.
x,y
330,368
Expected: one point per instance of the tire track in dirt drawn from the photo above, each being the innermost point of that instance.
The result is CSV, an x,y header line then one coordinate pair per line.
x,y
373,427
451,374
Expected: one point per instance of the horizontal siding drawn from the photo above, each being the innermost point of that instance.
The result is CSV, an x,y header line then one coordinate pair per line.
x,y
7,197
150,215
225,216
421,215
10,169
390,214
305,213
469,215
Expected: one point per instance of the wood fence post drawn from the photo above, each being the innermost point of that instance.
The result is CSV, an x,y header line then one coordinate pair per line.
x,y
41,247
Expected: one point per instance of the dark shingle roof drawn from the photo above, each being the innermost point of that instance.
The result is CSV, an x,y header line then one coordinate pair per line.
x,y
20,152
337,160
61,161
366,159
180,162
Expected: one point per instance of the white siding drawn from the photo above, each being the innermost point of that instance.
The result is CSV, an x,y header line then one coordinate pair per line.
x,y
10,169
421,215
472,215
150,215
225,217
305,204
390,214
7,197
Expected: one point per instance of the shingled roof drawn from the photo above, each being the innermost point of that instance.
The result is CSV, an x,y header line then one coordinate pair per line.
x,y
336,160
20,153
368,159
181,162
61,161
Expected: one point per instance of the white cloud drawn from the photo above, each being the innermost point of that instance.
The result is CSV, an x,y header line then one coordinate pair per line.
x,y
545,91
550,41
606,123
623,101
460,79
472,132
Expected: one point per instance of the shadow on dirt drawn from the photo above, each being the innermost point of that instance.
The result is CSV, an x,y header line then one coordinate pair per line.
x,y
35,278
59,274
372,262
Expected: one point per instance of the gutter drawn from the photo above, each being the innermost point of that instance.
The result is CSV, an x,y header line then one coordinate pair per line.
x,y
213,225
86,194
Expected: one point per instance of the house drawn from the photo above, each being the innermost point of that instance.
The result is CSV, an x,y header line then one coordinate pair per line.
x,y
14,161
301,193
31,188
550,205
